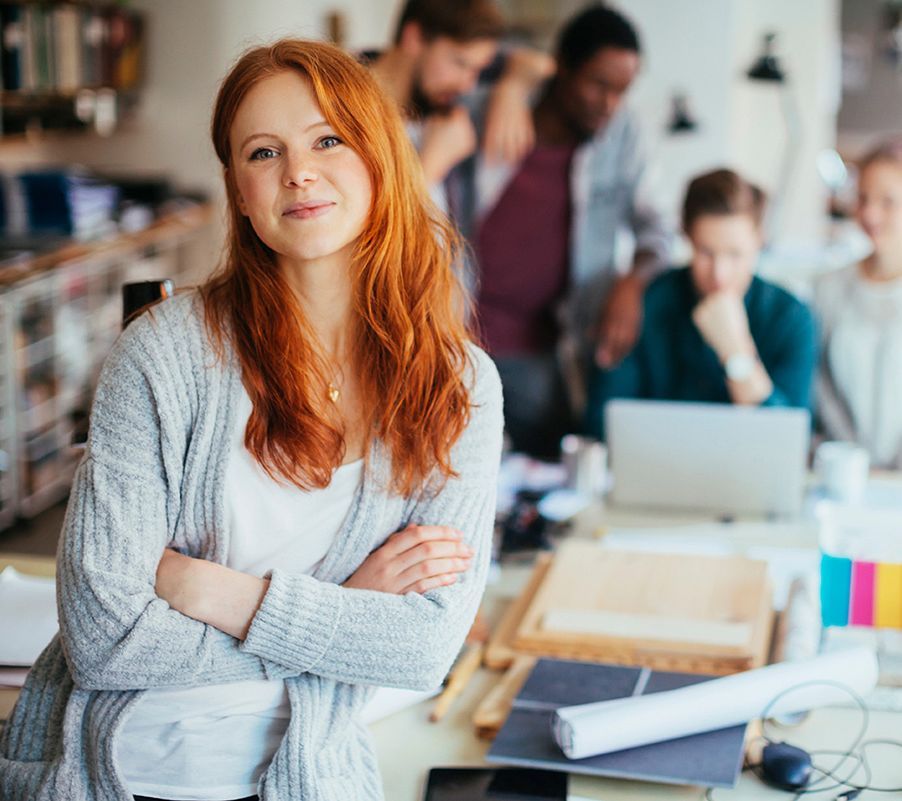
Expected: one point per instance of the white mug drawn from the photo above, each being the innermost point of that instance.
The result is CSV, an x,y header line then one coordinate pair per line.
x,y
842,470
586,463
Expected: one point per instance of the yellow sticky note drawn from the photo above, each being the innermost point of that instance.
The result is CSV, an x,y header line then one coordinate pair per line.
x,y
888,596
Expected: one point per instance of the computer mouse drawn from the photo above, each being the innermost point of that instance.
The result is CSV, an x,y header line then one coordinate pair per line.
x,y
785,766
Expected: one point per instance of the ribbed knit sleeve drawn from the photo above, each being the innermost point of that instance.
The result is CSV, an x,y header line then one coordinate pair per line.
x,y
124,506
410,641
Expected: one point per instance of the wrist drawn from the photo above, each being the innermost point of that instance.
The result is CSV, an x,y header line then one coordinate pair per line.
x,y
743,346
740,366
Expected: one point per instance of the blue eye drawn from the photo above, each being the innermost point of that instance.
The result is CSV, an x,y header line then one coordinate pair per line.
x,y
262,154
328,142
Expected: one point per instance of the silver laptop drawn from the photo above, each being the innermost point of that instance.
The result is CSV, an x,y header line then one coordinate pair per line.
x,y
707,457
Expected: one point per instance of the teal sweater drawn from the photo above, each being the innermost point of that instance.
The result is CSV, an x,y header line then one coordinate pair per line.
x,y
153,476
671,361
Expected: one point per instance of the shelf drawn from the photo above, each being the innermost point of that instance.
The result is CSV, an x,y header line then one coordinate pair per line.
x,y
171,227
69,299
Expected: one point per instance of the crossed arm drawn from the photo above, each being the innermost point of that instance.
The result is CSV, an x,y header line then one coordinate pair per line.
x,y
416,559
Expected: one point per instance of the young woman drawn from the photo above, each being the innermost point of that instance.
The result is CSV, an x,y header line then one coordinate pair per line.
x,y
713,331
859,391
288,491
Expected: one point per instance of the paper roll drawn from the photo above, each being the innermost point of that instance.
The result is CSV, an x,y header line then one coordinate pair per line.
x,y
606,726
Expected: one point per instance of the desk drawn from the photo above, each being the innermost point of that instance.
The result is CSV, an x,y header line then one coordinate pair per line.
x,y
407,744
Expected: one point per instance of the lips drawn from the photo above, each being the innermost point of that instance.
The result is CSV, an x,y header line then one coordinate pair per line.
x,y
308,209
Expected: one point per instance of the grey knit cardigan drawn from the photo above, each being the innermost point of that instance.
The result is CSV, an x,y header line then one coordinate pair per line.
x,y
152,477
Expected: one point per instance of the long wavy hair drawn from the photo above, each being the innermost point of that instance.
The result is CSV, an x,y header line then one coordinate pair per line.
x,y
410,342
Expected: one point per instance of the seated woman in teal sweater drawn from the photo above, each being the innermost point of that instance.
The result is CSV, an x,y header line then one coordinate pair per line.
x,y
713,331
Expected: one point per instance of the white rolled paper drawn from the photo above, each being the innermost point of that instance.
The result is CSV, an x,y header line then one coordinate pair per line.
x,y
600,728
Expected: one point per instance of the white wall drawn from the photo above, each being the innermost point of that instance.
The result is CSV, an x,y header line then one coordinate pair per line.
x,y
808,32
704,48
685,46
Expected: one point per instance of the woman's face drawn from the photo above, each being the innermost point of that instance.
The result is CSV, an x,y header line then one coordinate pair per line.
x,y
880,204
306,193
725,249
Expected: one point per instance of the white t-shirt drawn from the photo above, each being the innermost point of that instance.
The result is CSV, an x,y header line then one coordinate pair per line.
x,y
213,743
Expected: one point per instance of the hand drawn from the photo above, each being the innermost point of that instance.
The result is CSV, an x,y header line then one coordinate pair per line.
x,y
416,559
509,129
723,323
620,321
447,140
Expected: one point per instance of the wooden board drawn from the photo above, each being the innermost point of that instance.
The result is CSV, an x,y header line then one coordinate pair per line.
x,y
500,653
669,612
493,710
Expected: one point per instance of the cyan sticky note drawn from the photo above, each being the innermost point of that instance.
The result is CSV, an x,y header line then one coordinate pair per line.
x,y
836,583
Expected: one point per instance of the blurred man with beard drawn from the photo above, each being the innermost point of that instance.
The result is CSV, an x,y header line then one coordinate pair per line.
x,y
441,48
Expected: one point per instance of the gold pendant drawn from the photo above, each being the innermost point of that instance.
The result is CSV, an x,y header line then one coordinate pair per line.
x,y
334,393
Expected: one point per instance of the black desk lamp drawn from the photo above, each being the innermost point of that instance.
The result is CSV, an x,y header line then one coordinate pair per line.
x,y
767,67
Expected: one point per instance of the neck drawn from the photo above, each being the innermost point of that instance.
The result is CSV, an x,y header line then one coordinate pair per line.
x,y
884,266
323,289
393,70
552,126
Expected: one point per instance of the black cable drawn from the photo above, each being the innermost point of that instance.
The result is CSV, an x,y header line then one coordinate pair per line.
x,y
856,752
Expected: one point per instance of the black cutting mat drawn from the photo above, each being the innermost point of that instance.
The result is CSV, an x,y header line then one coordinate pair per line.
x,y
712,759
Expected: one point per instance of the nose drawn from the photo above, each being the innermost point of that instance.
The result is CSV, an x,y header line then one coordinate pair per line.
x,y
299,170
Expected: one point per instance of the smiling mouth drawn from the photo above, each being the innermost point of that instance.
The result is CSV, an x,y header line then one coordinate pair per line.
x,y
308,212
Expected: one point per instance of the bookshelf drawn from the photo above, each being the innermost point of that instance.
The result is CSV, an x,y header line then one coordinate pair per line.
x,y
60,313
68,65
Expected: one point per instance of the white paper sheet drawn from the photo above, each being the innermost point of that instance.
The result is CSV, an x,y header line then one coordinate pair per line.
x,y
27,617
13,677
607,726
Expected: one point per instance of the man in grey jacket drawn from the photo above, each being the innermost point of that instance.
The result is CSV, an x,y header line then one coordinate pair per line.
x,y
545,229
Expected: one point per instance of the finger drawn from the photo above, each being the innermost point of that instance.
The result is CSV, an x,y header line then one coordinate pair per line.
x,y
603,357
623,344
424,585
403,545
415,535
436,566
430,558
414,579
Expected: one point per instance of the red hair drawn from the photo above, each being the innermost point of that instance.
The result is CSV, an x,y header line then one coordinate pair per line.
x,y
410,348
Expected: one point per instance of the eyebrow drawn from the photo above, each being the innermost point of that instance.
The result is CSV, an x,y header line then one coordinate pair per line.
x,y
273,136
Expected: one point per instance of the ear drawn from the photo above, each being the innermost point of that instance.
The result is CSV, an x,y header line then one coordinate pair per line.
x,y
412,39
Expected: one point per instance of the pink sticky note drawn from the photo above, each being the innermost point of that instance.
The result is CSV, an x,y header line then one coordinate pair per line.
x,y
862,612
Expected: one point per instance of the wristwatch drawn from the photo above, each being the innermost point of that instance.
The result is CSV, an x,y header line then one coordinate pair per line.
x,y
739,366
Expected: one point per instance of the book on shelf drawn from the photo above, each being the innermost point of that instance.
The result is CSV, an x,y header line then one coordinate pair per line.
x,y
59,48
